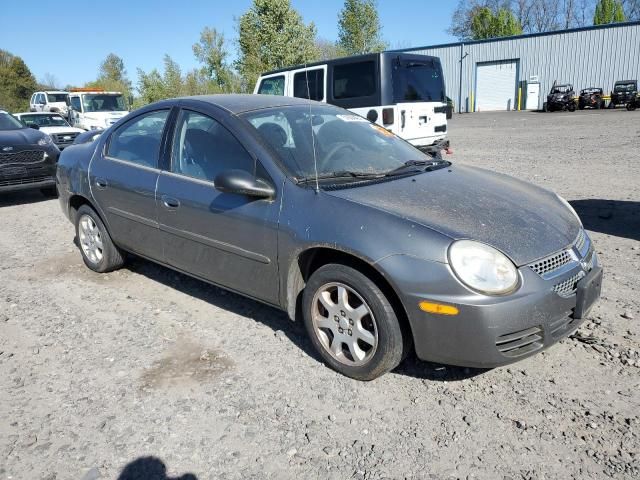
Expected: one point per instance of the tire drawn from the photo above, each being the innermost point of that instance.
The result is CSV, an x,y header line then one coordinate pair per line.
x,y
631,107
571,107
51,192
99,253
378,351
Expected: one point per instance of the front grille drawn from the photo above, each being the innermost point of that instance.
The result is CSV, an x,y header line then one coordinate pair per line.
x,y
520,343
440,128
24,181
26,156
581,240
64,139
552,263
568,287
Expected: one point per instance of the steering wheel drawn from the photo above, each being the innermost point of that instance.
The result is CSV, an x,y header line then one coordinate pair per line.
x,y
333,152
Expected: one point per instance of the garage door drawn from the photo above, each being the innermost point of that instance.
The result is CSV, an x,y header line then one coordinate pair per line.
x,y
496,85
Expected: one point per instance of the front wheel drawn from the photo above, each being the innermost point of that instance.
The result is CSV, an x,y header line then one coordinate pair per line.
x,y
98,250
571,107
351,323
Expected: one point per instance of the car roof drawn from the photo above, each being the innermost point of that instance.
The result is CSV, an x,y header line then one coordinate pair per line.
x,y
626,81
38,113
240,103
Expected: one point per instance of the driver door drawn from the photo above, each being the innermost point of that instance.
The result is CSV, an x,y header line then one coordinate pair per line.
x,y
226,238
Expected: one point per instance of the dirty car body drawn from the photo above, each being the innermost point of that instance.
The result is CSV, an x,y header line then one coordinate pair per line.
x,y
591,97
323,192
561,98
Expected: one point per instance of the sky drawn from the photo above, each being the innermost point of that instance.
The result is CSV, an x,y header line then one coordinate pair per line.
x,y
71,44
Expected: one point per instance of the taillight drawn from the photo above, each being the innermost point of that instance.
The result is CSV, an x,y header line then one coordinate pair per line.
x,y
387,116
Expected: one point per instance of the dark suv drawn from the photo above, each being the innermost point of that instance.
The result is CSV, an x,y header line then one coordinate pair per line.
x,y
624,92
560,98
28,157
590,97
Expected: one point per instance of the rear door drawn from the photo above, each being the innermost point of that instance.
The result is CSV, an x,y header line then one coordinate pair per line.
x,y
123,182
310,83
228,239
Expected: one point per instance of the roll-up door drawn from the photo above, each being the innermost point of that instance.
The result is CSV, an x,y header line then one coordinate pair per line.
x,y
496,86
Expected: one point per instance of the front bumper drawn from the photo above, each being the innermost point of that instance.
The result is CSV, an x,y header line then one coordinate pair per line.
x,y
488,331
18,172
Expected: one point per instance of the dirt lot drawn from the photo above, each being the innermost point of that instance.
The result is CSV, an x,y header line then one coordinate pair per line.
x,y
99,373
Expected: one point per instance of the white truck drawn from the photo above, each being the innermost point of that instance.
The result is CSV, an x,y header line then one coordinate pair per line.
x,y
404,93
50,101
94,109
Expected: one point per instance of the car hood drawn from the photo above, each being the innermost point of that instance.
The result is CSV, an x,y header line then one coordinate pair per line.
x,y
52,130
19,137
523,221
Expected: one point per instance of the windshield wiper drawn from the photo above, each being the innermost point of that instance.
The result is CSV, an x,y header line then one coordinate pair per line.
x,y
414,166
340,174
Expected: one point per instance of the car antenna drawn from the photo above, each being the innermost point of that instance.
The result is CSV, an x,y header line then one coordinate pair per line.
x,y
313,138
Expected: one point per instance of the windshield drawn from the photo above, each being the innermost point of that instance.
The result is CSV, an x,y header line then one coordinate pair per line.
x,y
9,122
103,103
343,141
44,120
624,87
57,97
416,81
561,89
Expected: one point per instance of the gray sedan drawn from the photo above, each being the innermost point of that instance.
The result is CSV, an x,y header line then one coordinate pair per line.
x,y
378,248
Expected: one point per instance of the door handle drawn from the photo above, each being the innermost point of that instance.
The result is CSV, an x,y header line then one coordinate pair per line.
x,y
101,183
402,116
170,202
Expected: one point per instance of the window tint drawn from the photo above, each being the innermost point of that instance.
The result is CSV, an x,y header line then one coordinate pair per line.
x,y
272,86
203,148
354,80
415,81
138,140
315,88
75,103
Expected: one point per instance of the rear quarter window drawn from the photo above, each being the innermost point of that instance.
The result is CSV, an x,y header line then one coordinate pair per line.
x,y
354,80
272,86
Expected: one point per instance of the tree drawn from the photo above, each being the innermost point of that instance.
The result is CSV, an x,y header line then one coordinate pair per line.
x,y
49,82
112,76
359,28
608,11
17,83
271,34
328,50
212,53
487,24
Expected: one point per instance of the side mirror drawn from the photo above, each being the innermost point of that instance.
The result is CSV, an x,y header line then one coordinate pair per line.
x,y
243,183
34,126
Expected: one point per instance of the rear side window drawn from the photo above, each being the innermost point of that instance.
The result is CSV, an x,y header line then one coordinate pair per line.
x,y
354,80
203,148
138,140
272,86
309,84
75,103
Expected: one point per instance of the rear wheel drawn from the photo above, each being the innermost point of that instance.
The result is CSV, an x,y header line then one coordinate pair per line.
x,y
631,106
351,323
98,250
571,107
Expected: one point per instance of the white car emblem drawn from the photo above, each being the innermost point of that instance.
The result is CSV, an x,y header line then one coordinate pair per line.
x,y
7,149
66,137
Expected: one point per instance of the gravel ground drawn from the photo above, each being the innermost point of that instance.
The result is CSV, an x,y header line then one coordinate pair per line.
x,y
149,372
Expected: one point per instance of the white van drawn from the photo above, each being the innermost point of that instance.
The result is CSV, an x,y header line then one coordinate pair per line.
x,y
404,93
94,109
49,101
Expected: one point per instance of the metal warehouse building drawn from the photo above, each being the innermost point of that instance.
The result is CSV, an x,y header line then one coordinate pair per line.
x,y
512,72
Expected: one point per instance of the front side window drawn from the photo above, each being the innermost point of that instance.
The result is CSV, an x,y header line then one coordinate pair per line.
x,y
75,103
624,87
41,98
353,80
309,84
138,140
417,81
272,86
203,148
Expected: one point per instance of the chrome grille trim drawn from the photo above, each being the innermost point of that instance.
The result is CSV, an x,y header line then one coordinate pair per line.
x,y
565,260
520,343
568,287
552,263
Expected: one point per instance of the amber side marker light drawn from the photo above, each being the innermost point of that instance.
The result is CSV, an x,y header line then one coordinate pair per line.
x,y
438,308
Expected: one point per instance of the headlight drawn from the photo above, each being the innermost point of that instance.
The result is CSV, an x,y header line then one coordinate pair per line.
x,y
571,209
482,268
46,140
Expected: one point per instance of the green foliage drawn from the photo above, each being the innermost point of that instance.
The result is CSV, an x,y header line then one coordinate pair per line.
x,y
17,83
328,50
112,76
272,35
608,11
486,23
359,28
212,53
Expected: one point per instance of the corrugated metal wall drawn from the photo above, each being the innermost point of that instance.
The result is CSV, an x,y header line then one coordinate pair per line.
x,y
591,57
